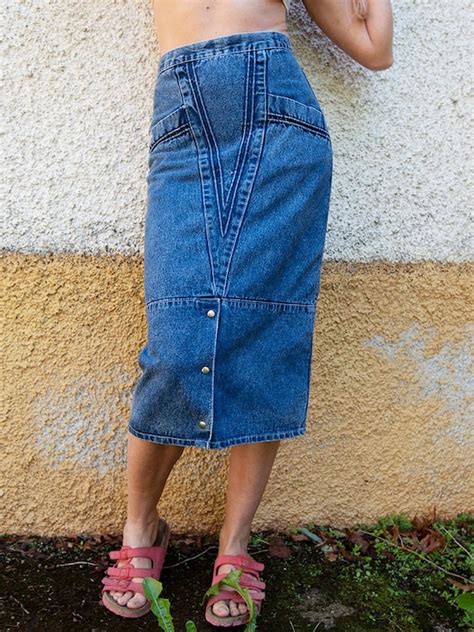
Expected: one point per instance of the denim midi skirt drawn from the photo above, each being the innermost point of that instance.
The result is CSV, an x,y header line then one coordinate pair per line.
x,y
239,180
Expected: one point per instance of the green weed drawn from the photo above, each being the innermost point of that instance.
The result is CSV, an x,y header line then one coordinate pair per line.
x,y
161,606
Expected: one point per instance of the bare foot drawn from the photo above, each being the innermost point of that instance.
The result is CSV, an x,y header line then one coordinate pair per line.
x,y
135,535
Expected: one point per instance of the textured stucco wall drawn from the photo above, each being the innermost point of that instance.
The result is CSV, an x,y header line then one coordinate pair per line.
x,y
390,423
80,80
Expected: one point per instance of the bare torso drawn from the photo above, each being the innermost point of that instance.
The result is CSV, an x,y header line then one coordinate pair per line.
x,y
180,23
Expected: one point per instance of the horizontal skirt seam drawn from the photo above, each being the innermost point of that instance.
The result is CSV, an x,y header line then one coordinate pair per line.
x,y
243,301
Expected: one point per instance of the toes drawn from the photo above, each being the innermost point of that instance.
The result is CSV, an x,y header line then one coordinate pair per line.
x,y
220,608
124,598
137,601
234,609
229,608
130,599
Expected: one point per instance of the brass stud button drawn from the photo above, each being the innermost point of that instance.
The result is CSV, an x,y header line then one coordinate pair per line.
x,y
202,423
211,313
205,369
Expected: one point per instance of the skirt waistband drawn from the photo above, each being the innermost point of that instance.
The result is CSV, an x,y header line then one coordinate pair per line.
x,y
232,43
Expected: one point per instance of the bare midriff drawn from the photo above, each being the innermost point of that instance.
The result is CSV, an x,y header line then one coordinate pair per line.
x,y
181,22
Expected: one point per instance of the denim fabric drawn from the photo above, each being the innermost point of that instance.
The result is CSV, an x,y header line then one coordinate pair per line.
x,y
239,180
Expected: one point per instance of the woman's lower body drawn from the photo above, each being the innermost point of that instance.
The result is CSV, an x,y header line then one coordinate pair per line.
x,y
240,168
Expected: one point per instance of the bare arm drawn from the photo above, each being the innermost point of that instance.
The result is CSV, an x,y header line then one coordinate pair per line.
x,y
361,28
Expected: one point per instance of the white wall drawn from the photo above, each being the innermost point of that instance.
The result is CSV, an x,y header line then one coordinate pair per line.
x,y
78,84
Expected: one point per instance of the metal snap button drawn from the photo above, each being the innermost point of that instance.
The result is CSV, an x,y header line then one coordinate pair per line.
x,y
211,313
202,423
205,369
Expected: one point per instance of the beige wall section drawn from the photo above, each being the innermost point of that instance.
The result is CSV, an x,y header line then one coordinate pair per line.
x,y
388,424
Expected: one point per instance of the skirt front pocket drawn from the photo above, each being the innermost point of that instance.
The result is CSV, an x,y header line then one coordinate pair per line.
x,y
282,109
169,127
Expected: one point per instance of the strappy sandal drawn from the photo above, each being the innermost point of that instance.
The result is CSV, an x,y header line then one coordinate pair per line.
x,y
250,579
120,578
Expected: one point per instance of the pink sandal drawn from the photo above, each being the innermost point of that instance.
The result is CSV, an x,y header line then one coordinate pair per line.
x,y
250,578
120,578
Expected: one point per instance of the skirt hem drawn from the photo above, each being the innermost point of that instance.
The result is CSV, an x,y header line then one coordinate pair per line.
x,y
223,443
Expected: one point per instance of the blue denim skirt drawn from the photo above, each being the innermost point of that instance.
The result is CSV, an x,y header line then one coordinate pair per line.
x,y
239,180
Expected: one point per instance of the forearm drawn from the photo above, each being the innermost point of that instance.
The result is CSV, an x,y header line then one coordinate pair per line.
x,y
366,35
379,27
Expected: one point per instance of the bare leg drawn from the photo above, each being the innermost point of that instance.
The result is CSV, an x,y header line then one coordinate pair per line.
x,y
149,465
249,471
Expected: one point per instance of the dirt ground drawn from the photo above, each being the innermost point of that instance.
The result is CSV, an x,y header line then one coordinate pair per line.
x,y
53,584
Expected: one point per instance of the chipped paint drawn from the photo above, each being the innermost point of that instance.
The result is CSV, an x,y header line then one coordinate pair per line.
x,y
82,423
446,376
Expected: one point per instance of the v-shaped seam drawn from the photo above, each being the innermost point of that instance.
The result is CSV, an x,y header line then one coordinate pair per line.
x,y
246,129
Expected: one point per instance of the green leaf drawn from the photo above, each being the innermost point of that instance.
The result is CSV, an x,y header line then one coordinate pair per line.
x,y
466,602
213,590
159,606
191,626
152,588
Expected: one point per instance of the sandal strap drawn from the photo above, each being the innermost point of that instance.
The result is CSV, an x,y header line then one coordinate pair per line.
x,y
121,554
224,595
252,583
244,560
249,572
122,585
245,580
155,553
115,584
128,572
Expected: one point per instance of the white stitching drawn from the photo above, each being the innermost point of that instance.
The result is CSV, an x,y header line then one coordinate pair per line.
x,y
171,134
320,131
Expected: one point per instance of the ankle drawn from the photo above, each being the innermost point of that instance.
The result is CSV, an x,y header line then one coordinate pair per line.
x,y
142,521
233,543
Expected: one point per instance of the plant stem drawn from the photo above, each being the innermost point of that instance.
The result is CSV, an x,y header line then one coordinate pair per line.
x,y
403,548
458,543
